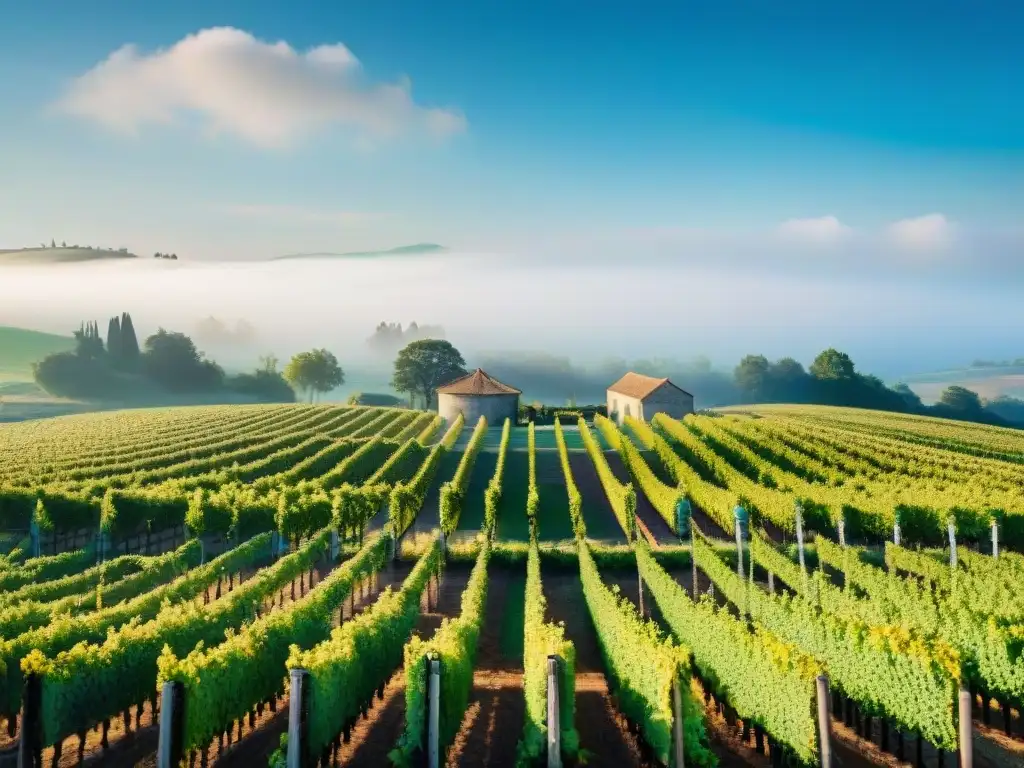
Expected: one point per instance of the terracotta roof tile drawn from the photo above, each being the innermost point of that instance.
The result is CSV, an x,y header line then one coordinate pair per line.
x,y
477,383
639,386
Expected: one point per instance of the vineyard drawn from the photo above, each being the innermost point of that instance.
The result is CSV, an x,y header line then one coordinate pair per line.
x,y
312,585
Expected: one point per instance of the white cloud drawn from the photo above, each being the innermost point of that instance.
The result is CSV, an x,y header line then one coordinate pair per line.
x,y
821,231
294,214
931,232
267,94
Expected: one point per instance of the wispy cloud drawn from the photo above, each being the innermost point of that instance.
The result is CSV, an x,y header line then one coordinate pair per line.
x,y
825,230
294,214
931,232
267,94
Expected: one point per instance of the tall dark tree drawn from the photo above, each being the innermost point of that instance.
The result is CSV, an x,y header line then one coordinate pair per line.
x,y
88,343
129,341
114,347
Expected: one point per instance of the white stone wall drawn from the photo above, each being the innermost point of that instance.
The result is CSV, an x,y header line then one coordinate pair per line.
x,y
620,406
495,407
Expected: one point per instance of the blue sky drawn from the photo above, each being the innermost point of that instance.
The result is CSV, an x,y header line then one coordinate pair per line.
x,y
762,176
570,120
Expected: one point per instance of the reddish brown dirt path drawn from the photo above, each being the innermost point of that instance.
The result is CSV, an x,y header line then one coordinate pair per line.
x,y
651,518
494,719
375,735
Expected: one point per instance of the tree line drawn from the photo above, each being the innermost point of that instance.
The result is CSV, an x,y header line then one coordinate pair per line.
x,y
118,367
832,379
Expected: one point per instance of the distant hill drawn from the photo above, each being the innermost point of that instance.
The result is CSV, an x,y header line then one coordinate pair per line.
x,y
19,348
59,255
403,250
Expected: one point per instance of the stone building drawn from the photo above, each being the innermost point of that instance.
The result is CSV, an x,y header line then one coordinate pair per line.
x,y
642,396
476,394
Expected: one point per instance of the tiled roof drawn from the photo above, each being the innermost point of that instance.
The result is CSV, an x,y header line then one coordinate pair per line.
x,y
639,386
477,383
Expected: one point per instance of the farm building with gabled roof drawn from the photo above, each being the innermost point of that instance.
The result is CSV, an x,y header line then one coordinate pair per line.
x,y
477,394
642,396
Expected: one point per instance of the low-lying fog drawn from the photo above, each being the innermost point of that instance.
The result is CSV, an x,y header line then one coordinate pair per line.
x,y
611,309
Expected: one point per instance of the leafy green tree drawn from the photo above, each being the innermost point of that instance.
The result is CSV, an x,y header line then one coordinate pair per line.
x,y
960,399
314,372
172,361
833,365
751,376
424,365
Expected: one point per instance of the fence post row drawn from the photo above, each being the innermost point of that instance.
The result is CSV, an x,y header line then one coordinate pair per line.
x,y
824,723
170,747
677,725
298,745
554,713
966,728
433,713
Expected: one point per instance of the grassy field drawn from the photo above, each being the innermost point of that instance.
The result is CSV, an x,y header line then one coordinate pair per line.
x,y
19,348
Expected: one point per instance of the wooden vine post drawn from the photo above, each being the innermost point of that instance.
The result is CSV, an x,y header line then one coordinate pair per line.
x,y
677,725
298,704
824,723
433,713
171,743
966,729
554,726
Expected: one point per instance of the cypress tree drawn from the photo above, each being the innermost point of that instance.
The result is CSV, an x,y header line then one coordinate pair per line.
x,y
129,342
114,347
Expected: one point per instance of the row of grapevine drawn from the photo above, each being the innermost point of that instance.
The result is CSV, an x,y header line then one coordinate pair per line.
x,y
575,497
492,495
663,498
123,578
767,681
453,492
988,645
64,632
890,671
407,498
346,670
454,646
532,491
201,436
622,497
643,667
224,682
542,640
